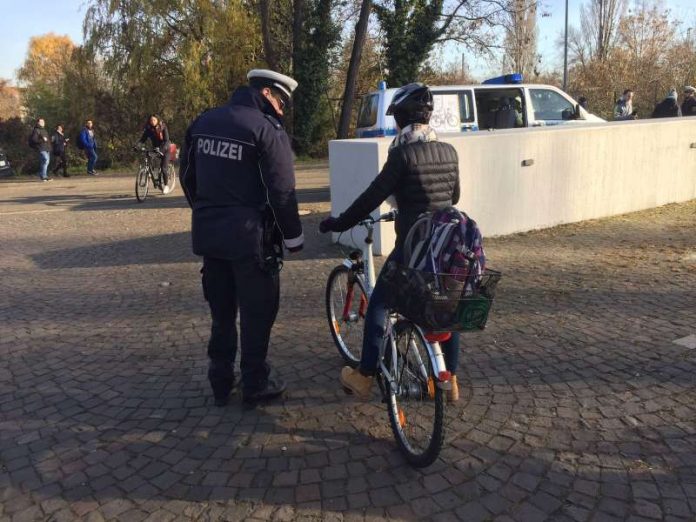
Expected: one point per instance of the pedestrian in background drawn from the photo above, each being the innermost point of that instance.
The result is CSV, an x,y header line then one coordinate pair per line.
x,y
39,141
688,107
623,110
669,107
59,142
88,143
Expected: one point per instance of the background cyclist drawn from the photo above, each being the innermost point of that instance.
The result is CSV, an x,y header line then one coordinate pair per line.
x,y
423,175
157,131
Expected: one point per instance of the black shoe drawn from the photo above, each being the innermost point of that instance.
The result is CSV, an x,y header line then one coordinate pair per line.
x,y
222,381
274,389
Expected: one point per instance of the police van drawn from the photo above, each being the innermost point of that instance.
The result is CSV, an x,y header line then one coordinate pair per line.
x,y
498,103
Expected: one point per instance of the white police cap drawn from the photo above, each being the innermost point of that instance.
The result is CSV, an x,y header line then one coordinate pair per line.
x,y
283,83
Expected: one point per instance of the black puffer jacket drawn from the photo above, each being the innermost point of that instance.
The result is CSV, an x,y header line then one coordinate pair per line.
x,y
423,176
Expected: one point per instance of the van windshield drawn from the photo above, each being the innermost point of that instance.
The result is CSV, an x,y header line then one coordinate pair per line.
x,y
452,111
367,115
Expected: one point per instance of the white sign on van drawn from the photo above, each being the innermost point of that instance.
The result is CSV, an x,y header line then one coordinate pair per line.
x,y
445,116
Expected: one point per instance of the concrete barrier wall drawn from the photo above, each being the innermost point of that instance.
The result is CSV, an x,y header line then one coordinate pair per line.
x,y
577,172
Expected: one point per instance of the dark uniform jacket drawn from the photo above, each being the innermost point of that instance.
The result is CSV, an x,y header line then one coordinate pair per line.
x,y
422,176
159,134
688,108
58,143
667,108
237,165
39,138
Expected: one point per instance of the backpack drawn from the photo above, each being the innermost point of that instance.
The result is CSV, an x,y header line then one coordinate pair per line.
x,y
31,141
447,242
78,142
441,285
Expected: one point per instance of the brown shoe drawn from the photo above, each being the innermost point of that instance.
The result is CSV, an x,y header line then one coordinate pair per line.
x,y
356,382
453,393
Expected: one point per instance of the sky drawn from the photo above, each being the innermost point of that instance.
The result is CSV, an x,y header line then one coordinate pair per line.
x,y
22,19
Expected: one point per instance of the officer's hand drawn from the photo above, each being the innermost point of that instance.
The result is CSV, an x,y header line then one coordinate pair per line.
x,y
328,225
293,250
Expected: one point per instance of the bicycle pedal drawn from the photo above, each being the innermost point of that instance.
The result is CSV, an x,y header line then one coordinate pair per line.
x,y
445,385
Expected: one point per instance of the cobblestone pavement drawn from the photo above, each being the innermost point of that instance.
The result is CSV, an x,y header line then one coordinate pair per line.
x,y
577,403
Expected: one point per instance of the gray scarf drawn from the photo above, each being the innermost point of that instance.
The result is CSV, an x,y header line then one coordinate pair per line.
x,y
413,133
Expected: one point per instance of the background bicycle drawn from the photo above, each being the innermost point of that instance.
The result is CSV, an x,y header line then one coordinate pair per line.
x,y
149,172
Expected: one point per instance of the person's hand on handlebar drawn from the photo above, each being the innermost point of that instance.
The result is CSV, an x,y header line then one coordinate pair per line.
x,y
329,225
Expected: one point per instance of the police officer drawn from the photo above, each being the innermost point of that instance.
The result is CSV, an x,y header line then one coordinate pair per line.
x,y
237,173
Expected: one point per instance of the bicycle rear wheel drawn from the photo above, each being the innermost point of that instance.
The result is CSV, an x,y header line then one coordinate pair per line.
x,y
142,184
346,305
171,177
415,402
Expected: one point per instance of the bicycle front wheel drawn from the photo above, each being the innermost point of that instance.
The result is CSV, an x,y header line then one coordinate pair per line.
x,y
415,402
142,184
346,305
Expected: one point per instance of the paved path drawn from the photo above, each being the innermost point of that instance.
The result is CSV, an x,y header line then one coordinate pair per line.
x,y
577,403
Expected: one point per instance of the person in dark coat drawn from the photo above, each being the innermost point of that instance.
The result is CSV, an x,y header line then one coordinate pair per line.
x,y
59,143
236,170
669,107
422,174
158,134
688,107
40,142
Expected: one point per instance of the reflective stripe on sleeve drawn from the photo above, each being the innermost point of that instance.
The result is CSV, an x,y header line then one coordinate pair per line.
x,y
294,242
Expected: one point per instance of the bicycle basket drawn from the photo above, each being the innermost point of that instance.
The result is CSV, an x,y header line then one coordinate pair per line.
x,y
439,302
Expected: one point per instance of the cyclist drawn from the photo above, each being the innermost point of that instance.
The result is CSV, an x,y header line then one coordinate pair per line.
x,y
423,175
157,131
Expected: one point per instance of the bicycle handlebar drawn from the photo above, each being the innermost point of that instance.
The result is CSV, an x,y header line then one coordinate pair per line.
x,y
143,150
389,216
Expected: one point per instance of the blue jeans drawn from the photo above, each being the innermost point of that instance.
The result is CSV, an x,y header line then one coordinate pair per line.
x,y
376,320
45,157
91,159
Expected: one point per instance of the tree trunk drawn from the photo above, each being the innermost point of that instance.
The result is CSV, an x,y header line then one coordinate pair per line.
x,y
353,69
268,49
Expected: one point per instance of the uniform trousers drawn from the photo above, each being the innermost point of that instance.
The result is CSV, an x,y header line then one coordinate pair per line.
x,y
241,286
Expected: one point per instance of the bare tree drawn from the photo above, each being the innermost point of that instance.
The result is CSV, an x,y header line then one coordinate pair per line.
x,y
353,69
519,23
599,22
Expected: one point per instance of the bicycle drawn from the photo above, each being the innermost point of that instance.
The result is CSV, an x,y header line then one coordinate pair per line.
x,y
146,174
412,375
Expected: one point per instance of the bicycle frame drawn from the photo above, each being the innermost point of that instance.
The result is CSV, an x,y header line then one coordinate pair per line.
x,y
435,355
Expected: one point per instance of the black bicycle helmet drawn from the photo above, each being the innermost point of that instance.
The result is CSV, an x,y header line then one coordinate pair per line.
x,y
412,103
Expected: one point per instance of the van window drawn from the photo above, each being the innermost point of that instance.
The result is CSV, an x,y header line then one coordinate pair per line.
x,y
549,105
452,110
367,115
502,108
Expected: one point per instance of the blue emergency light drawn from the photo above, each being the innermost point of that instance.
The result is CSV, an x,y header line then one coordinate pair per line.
x,y
506,79
382,86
